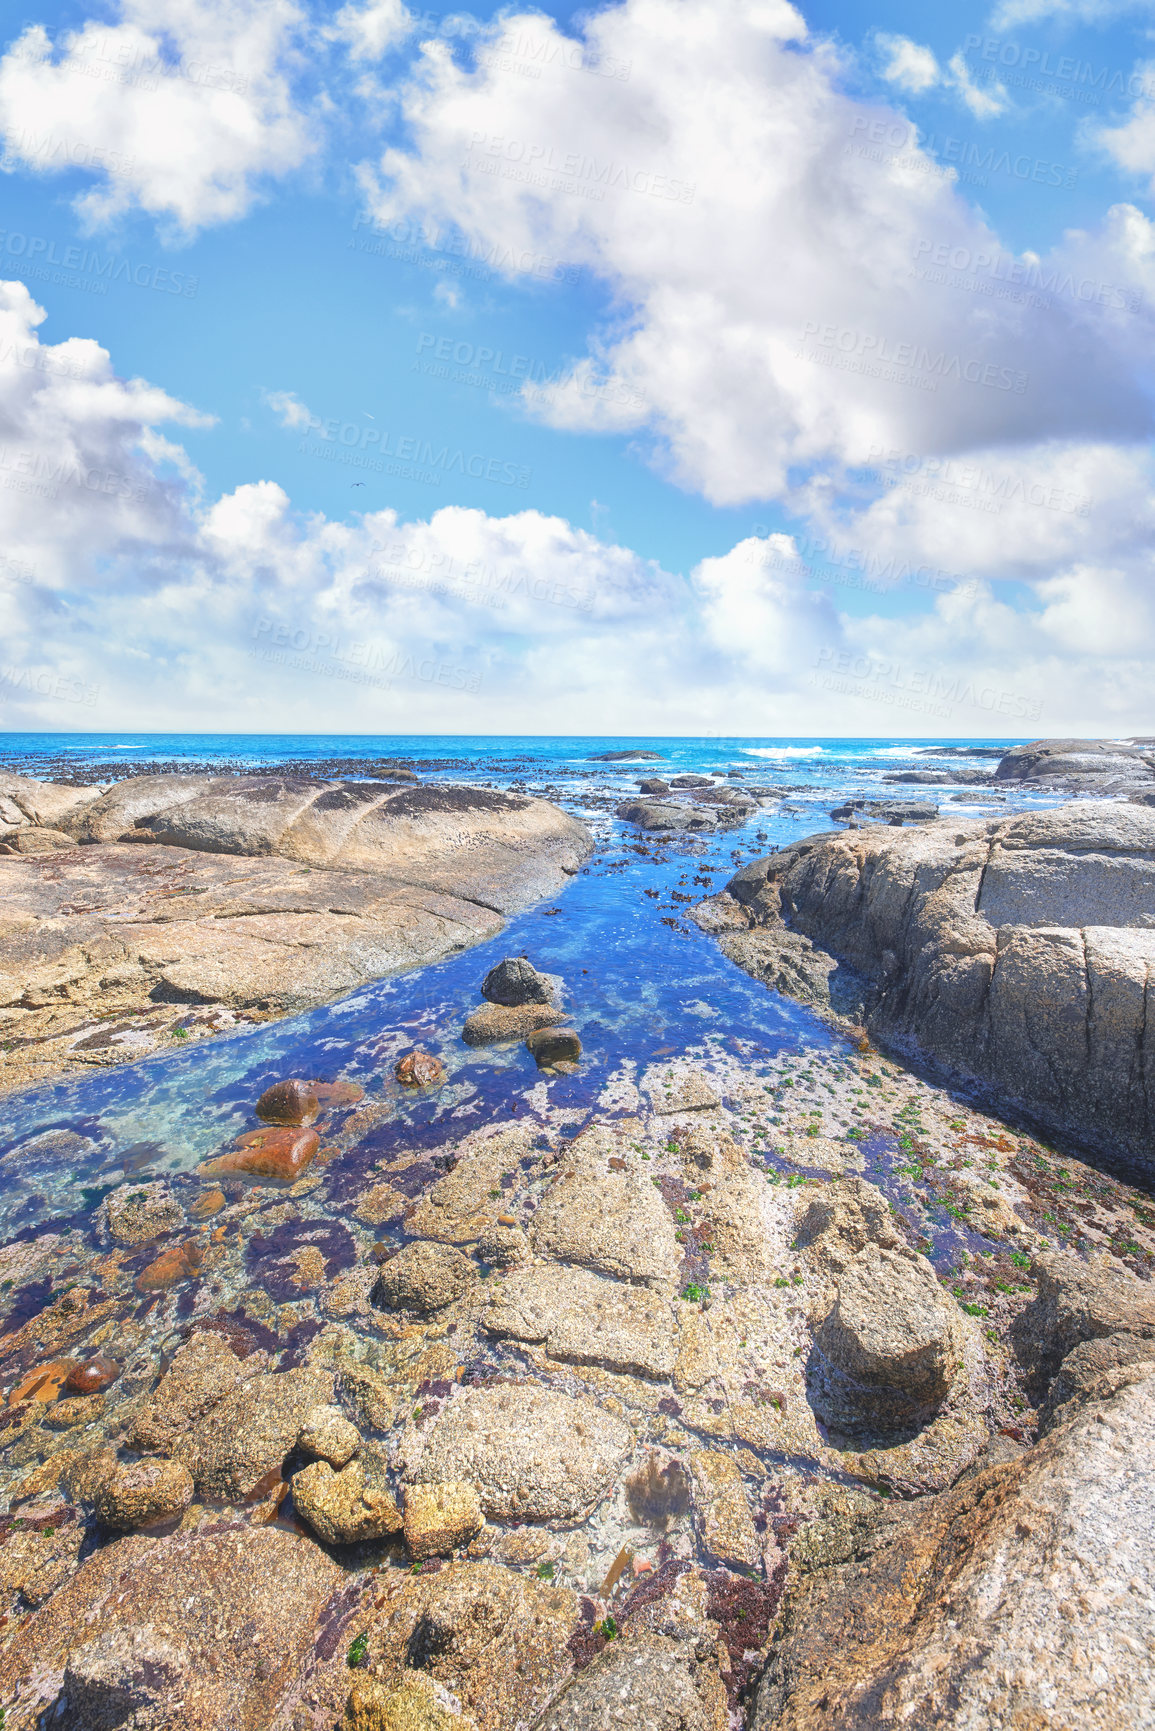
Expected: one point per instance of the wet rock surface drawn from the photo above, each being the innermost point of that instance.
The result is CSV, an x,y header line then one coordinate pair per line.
x,y
203,1630
248,1435
348,1506
597,1426
423,1277
649,1684
513,1022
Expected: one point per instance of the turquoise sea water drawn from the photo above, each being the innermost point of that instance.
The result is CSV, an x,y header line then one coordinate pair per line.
x,y
641,980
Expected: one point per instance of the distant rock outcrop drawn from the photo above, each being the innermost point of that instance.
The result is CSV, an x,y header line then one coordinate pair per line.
x,y
1104,766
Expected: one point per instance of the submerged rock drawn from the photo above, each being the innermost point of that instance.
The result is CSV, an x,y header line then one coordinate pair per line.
x,y
93,1375
725,1523
248,1435
289,1102
419,1070
202,1372
439,1518
328,1435
423,1277
280,1155
124,1677
533,1454
650,1684
407,1705
550,1046
136,1213
349,1506
140,1493
205,1629
461,1628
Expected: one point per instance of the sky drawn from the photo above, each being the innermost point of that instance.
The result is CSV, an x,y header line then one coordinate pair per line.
x,y
668,367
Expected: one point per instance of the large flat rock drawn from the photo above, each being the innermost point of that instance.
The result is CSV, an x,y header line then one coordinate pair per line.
x,y
254,893
1016,952
534,1455
498,849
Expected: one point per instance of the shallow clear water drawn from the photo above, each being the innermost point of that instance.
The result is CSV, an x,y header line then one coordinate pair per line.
x,y
640,980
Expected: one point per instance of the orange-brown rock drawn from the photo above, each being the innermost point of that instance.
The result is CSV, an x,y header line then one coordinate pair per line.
x,y
208,1203
419,1070
43,1382
172,1265
279,1154
552,1046
289,1101
338,1093
94,1374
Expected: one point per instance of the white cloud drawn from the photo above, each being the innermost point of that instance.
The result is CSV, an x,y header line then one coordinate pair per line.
x,y
908,64
290,411
983,104
370,30
81,451
914,69
1014,12
182,108
1132,145
764,241
127,599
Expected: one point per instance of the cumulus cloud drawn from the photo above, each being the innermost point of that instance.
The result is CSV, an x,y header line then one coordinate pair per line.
x,y
129,598
181,108
908,65
766,243
914,69
1132,145
370,30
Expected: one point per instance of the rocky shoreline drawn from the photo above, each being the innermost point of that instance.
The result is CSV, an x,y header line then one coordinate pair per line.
x,y
251,897
1015,954
748,1387
644,1405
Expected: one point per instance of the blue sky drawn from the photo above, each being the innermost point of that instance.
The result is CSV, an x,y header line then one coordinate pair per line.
x,y
809,386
